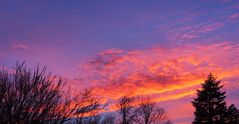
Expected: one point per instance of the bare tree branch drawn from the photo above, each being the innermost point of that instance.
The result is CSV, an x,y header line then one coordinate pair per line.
x,y
39,97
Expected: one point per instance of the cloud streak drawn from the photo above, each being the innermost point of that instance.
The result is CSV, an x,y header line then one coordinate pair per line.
x,y
159,70
19,46
165,74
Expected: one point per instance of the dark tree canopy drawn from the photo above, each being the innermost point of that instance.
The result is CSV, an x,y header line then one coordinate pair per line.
x,y
210,105
232,115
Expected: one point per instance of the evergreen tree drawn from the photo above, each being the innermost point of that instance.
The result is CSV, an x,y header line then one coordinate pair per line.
x,y
232,115
210,105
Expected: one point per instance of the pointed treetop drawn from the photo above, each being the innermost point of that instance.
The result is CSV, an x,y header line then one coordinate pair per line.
x,y
211,77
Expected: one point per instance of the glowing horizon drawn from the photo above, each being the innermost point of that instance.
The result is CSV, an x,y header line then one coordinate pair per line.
x,y
161,49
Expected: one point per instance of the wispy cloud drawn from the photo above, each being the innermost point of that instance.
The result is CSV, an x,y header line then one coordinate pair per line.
x,y
234,16
191,32
19,46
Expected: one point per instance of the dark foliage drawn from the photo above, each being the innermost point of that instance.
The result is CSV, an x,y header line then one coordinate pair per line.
x,y
210,105
232,115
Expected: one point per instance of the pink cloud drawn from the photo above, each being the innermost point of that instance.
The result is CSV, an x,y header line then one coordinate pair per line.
x,y
190,32
166,74
211,27
19,46
168,65
234,16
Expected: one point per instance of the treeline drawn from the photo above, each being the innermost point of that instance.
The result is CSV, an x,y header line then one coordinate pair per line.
x,y
30,96
37,97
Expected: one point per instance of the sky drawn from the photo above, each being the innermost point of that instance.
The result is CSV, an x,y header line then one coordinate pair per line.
x,y
159,48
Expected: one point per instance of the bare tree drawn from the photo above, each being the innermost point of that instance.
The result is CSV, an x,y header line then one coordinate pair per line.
x,y
149,113
89,107
38,97
126,109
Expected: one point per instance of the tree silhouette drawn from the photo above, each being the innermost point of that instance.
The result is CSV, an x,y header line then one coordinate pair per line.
x,y
232,115
149,113
88,108
141,110
126,110
34,96
210,105
39,97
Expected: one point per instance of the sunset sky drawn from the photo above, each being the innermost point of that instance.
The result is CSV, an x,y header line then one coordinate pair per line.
x,y
159,48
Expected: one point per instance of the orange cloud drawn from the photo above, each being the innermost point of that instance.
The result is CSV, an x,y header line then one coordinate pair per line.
x,y
165,74
158,70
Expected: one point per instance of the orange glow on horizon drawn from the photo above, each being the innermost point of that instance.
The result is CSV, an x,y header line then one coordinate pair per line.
x,y
163,74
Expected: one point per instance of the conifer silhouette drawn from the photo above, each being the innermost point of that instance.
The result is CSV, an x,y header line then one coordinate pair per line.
x,y
210,105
